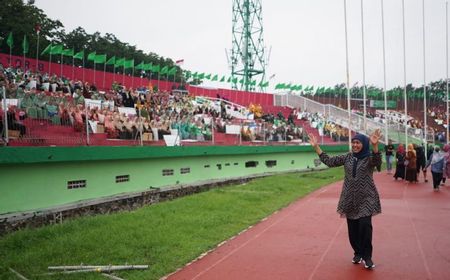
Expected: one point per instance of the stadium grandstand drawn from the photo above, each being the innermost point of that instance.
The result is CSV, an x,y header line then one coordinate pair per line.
x,y
107,152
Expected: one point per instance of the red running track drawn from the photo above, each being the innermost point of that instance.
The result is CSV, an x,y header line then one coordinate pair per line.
x,y
308,240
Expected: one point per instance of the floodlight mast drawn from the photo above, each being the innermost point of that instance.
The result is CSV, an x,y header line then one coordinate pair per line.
x,y
247,61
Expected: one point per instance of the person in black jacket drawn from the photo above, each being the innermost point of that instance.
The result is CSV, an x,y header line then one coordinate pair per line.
x,y
359,199
421,161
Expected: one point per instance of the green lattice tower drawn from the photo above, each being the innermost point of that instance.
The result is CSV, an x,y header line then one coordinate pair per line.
x,y
247,55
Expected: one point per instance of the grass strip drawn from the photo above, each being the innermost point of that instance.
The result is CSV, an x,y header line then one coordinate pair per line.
x,y
165,236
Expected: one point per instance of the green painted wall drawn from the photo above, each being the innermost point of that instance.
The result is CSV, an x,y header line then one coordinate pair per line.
x,y
36,178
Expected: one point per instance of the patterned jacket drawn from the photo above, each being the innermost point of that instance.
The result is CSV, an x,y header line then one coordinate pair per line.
x,y
359,196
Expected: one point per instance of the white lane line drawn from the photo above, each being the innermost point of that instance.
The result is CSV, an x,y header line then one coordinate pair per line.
x,y
319,263
419,244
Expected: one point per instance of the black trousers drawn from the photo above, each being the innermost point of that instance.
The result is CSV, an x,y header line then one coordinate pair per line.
x,y
437,177
360,235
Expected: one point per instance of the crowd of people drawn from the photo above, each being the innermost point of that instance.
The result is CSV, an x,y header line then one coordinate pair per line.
x,y
126,113
416,160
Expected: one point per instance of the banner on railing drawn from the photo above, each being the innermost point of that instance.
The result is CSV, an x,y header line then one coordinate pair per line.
x,y
99,104
127,111
233,129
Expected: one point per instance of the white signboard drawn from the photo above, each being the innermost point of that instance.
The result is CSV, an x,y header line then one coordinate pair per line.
x,y
127,111
233,129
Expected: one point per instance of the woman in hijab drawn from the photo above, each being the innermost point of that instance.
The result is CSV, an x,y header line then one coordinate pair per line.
x,y
400,158
359,199
411,164
447,165
437,162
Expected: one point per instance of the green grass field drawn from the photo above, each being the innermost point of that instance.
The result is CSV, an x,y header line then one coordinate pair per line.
x,y
165,236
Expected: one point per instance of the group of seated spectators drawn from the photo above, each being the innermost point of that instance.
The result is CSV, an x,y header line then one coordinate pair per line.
x,y
126,113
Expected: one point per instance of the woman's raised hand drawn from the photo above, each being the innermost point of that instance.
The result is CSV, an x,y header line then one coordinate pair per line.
x,y
312,140
375,137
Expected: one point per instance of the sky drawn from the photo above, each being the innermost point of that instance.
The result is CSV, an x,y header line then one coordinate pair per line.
x,y
306,38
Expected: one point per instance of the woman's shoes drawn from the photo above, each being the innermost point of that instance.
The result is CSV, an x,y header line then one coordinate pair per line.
x,y
368,264
356,259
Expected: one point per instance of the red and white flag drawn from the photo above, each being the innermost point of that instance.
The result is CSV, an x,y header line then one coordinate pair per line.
x,y
179,62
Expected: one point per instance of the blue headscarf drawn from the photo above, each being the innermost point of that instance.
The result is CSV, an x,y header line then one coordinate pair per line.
x,y
365,152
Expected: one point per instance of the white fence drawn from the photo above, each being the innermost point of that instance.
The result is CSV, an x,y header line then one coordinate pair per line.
x,y
396,131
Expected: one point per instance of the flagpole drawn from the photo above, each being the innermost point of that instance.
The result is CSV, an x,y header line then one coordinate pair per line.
x,y
50,62
424,75
73,67
446,66
37,53
386,136
150,79
104,73
23,61
114,72
83,66
123,74
404,74
348,78
132,76
10,44
363,69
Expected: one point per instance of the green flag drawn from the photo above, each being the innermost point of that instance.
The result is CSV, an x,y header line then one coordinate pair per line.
x,y
187,74
172,71
215,78
100,58
47,49
229,80
140,66
234,80
195,75
57,49
25,45
68,52
10,41
222,79
91,56
156,68
79,55
279,86
201,76
164,70
120,62
128,64
111,61
147,67
208,76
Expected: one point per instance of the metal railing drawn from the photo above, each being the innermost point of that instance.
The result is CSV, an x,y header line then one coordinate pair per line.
x,y
396,131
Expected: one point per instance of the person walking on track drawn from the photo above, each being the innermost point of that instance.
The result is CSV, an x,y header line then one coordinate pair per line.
x,y
359,199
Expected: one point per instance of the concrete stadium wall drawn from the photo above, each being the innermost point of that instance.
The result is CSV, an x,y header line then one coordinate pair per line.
x,y
36,178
